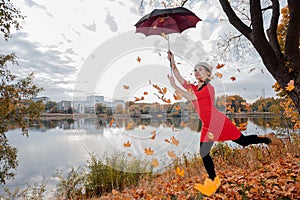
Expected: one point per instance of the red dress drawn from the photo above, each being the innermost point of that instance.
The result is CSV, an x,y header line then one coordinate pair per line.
x,y
215,125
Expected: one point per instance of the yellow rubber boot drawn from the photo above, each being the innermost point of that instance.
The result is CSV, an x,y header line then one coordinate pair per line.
x,y
209,187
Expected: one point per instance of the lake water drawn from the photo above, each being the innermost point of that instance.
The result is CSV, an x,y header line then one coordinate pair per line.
x,y
61,145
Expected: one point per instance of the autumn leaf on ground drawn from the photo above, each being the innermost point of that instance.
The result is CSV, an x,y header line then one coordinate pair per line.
x,y
179,171
149,151
153,135
219,66
129,125
219,75
233,78
171,154
126,87
155,163
138,59
290,86
111,122
127,144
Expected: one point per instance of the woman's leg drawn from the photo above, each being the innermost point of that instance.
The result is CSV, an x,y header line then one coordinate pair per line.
x,y
252,139
205,148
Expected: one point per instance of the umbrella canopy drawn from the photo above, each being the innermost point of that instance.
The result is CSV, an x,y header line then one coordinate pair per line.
x,y
172,20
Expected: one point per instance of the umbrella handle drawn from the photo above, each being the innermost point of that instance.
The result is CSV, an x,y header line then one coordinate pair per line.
x,y
170,60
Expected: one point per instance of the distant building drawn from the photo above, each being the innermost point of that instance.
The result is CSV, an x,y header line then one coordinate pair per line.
x,y
64,106
78,106
43,99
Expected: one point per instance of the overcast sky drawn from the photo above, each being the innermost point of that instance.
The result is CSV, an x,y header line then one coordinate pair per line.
x,y
60,38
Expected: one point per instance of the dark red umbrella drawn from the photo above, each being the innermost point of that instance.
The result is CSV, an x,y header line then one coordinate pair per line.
x,y
166,21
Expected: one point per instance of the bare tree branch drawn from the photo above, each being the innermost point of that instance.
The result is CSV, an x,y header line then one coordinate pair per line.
x,y
272,31
234,20
266,8
183,2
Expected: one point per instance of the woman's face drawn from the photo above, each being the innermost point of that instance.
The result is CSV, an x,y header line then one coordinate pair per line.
x,y
201,74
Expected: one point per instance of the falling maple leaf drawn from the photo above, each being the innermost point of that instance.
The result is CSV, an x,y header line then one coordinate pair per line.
x,y
138,59
145,93
150,82
129,125
179,171
164,90
290,86
219,66
171,154
174,141
238,70
149,151
155,163
233,78
177,96
127,144
138,99
219,75
153,135
111,122
126,87
262,71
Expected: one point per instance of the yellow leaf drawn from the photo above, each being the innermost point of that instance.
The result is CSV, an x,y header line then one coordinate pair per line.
x,y
179,171
290,86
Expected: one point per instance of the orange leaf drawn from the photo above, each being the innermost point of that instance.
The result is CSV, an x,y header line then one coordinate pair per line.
x,y
219,75
233,78
171,154
290,86
219,66
129,125
164,90
168,141
183,124
145,93
149,151
155,163
153,133
177,107
111,122
174,141
126,87
138,59
127,144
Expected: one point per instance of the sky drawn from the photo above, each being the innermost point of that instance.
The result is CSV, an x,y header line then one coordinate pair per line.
x,y
83,47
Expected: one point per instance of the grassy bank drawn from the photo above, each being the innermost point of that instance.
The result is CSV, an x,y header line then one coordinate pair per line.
x,y
254,172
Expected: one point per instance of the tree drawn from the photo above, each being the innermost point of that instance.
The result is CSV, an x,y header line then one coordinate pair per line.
x,y
15,94
283,63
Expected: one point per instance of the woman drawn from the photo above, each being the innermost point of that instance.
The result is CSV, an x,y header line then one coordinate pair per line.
x,y
215,125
